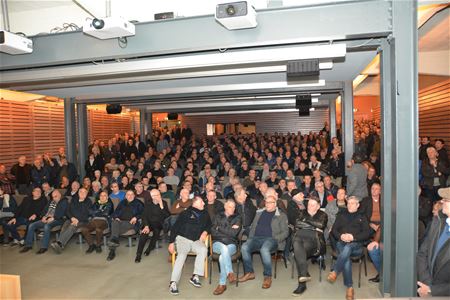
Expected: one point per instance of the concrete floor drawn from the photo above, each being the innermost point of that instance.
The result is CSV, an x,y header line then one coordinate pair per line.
x,y
75,275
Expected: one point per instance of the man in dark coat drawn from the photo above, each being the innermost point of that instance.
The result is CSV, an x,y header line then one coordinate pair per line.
x,y
433,258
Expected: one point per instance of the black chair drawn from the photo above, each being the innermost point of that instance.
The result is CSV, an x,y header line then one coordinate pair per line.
x,y
319,258
214,257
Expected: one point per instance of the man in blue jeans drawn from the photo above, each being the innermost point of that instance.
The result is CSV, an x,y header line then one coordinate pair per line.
x,y
53,215
268,233
350,230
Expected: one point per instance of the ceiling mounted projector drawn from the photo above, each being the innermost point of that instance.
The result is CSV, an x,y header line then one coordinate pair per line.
x,y
236,15
109,28
11,43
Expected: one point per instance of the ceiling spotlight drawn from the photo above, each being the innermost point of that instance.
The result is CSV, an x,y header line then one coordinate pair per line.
x,y
236,15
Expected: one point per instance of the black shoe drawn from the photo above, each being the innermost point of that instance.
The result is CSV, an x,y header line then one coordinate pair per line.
x,y
300,289
137,259
147,251
42,250
375,279
98,249
91,249
25,249
111,255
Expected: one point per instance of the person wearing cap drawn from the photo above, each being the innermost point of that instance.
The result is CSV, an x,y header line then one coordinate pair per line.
x,y
308,240
351,230
433,258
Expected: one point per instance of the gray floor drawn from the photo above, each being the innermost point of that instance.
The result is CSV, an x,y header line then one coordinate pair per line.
x,y
75,275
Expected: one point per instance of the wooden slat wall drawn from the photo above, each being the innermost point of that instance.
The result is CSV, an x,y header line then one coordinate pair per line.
x,y
376,113
33,128
103,126
30,128
265,122
434,112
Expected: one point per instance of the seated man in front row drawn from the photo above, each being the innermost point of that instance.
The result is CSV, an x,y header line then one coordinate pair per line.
x,y
189,233
268,234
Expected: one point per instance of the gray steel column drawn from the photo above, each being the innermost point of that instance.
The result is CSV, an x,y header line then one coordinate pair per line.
x,y
149,124
405,179
69,129
142,124
332,122
347,120
82,138
387,92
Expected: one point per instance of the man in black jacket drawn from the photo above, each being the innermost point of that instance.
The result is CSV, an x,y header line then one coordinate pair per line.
x,y
53,215
155,212
433,258
351,230
308,239
245,208
77,216
28,211
189,233
224,231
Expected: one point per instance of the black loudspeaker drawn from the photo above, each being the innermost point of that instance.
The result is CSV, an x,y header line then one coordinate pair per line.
x,y
303,100
302,68
303,113
113,108
172,116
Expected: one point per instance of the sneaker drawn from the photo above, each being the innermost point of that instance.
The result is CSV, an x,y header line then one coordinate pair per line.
x,y
195,281
15,243
22,243
173,289
25,249
111,255
57,246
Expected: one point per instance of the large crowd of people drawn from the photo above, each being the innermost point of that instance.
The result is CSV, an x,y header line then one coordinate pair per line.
x,y
291,194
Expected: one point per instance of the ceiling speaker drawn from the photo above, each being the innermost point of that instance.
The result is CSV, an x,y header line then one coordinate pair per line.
x,y
172,116
113,108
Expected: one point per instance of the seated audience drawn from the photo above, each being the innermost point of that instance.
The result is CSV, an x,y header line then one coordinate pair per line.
x,y
123,219
433,260
245,208
52,215
100,218
351,230
268,233
155,212
77,216
224,231
189,233
308,239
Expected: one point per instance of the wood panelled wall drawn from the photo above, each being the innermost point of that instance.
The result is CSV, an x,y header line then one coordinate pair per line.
x,y
29,128
434,112
33,128
265,122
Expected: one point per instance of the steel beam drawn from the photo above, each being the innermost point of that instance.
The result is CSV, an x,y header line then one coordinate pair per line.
x,y
69,129
332,112
325,22
142,124
82,138
347,121
149,128
387,92
405,155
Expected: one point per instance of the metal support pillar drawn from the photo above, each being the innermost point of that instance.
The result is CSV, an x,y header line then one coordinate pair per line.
x,y
142,124
332,112
347,120
405,154
69,129
149,125
387,86
82,138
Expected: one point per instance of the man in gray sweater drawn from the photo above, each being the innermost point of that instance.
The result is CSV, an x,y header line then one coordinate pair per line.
x,y
357,178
